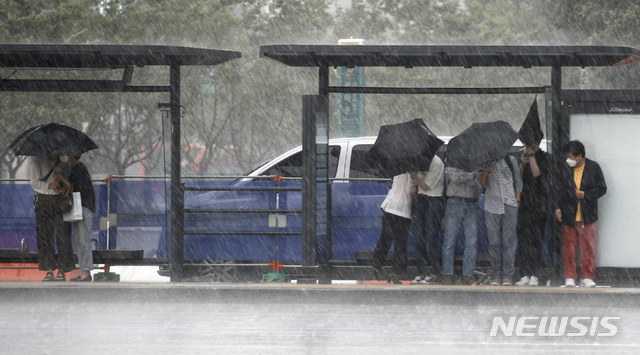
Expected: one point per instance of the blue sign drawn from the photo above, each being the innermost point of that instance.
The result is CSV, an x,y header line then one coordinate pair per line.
x,y
351,105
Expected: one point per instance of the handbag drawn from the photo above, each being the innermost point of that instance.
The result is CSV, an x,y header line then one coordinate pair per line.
x,y
64,203
75,214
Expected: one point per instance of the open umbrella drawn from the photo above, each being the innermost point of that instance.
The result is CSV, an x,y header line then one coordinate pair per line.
x,y
530,132
51,140
404,147
480,145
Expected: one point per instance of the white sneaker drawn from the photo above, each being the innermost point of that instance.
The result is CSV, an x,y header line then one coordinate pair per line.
x,y
587,283
429,280
569,283
533,282
524,281
418,280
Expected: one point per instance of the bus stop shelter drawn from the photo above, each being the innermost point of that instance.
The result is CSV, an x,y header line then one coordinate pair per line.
x,y
316,227
25,57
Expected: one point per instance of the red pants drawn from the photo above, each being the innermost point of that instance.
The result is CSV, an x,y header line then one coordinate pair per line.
x,y
586,236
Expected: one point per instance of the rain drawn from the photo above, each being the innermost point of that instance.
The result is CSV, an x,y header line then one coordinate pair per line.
x,y
259,288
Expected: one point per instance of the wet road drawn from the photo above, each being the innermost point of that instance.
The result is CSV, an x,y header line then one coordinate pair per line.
x,y
310,319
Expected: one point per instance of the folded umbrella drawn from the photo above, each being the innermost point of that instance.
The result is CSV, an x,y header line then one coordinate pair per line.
x,y
51,140
480,145
404,147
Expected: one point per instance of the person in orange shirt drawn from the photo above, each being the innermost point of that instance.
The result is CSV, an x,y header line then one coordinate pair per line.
x,y
578,189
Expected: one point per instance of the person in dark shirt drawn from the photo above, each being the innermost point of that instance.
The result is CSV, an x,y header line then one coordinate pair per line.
x,y
81,181
532,218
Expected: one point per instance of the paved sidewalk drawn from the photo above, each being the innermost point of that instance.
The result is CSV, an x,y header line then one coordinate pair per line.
x,y
185,318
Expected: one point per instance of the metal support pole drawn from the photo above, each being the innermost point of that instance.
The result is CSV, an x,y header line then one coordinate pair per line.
x,y
323,209
175,206
557,140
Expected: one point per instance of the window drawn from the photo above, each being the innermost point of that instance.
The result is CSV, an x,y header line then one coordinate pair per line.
x,y
360,167
292,166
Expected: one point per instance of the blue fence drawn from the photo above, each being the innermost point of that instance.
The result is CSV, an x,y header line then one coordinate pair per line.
x,y
140,210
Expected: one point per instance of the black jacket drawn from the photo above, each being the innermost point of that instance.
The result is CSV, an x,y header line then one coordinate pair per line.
x,y
81,181
593,186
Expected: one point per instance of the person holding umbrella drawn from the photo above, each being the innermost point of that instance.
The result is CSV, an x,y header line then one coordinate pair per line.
x,y
396,221
45,143
49,217
477,147
463,192
428,215
502,198
532,215
399,150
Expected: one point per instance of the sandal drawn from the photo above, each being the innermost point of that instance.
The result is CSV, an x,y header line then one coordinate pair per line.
x,y
60,277
80,279
48,277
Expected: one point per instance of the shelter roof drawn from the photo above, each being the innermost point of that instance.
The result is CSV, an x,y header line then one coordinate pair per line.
x,y
73,56
448,55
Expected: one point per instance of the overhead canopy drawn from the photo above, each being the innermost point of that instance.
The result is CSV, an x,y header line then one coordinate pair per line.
x,y
448,56
72,56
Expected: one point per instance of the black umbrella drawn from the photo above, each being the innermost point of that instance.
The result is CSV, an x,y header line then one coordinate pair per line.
x,y
52,140
530,132
404,147
480,145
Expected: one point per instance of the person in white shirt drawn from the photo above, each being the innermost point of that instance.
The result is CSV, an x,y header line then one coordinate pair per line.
x,y
396,221
49,217
427,220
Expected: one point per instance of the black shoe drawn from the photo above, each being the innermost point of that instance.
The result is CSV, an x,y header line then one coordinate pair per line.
x,y
376,274
393,278
79,279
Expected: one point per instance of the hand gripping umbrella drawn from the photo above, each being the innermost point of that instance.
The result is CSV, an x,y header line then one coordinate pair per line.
x,y
51,140
480,145
404,147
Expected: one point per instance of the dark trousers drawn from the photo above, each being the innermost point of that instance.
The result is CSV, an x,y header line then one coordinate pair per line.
x,y
49,218
427,219
531,227
394,230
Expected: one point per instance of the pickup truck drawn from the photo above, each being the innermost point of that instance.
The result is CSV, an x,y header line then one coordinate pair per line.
x,y
357,192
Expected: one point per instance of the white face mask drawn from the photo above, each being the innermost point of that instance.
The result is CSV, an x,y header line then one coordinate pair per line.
x,y
64,158
571,162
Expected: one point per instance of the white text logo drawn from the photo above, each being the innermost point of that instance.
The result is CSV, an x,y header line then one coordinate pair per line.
x,y
555,326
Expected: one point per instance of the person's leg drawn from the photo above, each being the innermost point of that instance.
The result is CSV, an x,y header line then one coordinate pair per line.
x,y
82,236
452,218
420,218
536,245
384,243
587,239
510,242
470,223
569,239
401,231
43,206
63,241
493,232
525,241
435,212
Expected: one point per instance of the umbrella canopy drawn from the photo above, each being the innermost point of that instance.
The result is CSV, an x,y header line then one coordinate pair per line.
x,y
480,145
52,140
404,147
530,132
